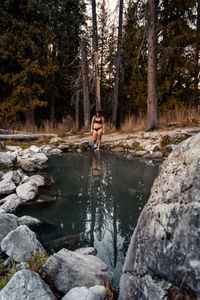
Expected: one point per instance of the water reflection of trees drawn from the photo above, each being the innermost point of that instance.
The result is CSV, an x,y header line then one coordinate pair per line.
x,y
99,210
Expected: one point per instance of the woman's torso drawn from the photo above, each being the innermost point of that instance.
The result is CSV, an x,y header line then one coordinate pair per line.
x,y
98,123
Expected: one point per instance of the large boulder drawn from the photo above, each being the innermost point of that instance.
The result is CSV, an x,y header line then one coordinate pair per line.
x,y
26,285
27,191
7,187
37,179
8,222
165,243
28,166
69,269
12,175
40,157
11,203
21,244
96,292
6,159
28,221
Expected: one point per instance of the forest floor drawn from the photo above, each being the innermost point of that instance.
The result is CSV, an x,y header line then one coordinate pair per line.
x,y
117,136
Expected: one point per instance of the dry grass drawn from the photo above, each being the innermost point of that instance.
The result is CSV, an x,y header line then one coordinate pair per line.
x,y
132,123
180,117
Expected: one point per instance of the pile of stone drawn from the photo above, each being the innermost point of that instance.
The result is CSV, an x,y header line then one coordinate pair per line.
x,y
77,275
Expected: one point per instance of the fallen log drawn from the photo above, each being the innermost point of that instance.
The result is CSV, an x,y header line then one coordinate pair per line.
x,y
23,137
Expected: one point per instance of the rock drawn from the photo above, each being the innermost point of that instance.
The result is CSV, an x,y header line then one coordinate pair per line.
x,y
26,285
45,149
2,211
7,187
154,155
12,175
117,149
149,289
64,147
11,203
69,269
23,177
166,239
28,221
2,146
14,148
87,251
140,153
27,191
8,222
37,179
54,140
55,151
41,157
6,160
26,248
96,292
28,166
84,144
34,149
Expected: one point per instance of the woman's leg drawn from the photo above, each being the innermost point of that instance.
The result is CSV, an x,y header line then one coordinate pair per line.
x,y
99,135
94,136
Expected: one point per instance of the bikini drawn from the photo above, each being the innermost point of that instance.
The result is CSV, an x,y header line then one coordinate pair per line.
x,y
98,122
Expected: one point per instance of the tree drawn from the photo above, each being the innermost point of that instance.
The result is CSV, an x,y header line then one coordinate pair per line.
x,y
152,97
118,65
85,83
96,55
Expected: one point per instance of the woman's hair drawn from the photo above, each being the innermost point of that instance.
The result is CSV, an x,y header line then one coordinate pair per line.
x,y
98,111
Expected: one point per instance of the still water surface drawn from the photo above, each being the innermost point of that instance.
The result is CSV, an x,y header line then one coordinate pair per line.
x,y
96,201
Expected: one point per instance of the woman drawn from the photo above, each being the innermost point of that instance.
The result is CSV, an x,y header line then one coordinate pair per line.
x,y
97,128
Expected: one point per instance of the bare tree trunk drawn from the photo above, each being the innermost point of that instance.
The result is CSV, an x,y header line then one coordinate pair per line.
x,y
96,55
118,65
77,110
85,82
198,47
152,98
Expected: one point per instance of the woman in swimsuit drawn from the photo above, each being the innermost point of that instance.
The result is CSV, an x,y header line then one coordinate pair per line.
x,y
97,128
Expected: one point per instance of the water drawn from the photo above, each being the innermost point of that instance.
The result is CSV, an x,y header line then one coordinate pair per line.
x,y
95,201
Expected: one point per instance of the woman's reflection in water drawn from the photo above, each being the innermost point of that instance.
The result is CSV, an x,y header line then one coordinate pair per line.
x,y
96,168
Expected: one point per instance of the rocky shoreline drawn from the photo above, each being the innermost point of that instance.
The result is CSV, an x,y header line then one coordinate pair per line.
x,y
73,273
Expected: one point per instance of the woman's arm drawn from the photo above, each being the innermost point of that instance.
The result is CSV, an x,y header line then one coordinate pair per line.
x,y
103,124
92,125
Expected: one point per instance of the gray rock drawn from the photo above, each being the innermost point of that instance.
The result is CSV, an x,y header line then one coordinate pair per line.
x,y
26,248
28,221
55,151
54,140
140,153
13,148
6,159
69,269
96,292
64,147
45,149
28,166
166,239
26,285
37,179
11,203
87,251
23,177
27,191
41,158
7,187
34,149
12,175
144,288
8,222
2,211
